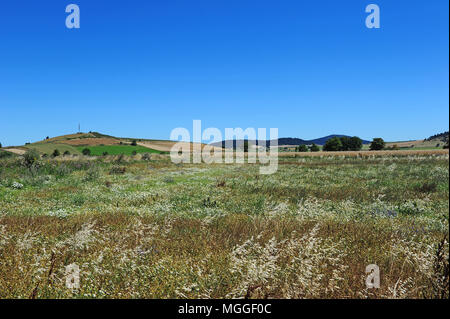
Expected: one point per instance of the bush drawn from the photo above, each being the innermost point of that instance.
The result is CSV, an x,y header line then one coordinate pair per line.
x,y
134,143
56,153
146,157
302,148
5,154
66,153
30,157
314,148
333,144
105,153
86,152
117,170
92,174
133,153
377,144
120,159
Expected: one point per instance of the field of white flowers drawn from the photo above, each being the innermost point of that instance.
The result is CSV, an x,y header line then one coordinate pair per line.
x,y
152,229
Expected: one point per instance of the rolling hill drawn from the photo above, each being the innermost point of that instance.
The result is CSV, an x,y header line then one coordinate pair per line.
x,y
289,141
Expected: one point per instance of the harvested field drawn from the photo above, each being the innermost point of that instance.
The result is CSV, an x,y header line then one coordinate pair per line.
x,y
18,151
92,141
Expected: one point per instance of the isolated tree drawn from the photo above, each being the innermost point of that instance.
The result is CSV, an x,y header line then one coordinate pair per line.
x,y
333,144
314,148
86,151
302,148
355,144
134,143
345,142
377,144
66,153
246,146
56,153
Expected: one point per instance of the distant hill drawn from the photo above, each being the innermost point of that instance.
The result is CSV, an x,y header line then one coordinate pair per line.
x,y
290,141
439,137
323,140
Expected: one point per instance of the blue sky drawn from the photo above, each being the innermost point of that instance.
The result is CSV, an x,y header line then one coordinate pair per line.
x,y
142,68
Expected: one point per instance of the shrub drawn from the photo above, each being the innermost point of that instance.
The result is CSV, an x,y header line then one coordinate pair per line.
x,y
56,153
30,157
314,148
86,151
134,152
377,144
62,170
146,157
66,153
120,159
115,170
302,148
105,153
92,174
134,143
5,154
333,144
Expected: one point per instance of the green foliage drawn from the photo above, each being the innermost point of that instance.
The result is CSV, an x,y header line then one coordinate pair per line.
x,y
92,174
246,146
4,154
334,144
56,153
86,151
355,144
118,149
377,144
314,148
30,157
134,143
302,148
66,153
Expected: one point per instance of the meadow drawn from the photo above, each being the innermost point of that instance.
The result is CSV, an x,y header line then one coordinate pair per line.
x,y
99,150
143,227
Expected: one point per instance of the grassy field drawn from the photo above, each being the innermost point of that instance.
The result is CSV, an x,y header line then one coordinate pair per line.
x,y
117,149
153,229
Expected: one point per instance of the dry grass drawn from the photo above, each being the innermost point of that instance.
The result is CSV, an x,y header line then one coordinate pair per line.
x,y
366,153
152,229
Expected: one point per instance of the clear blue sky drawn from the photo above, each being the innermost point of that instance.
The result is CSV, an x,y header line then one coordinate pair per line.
x,y
142,68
